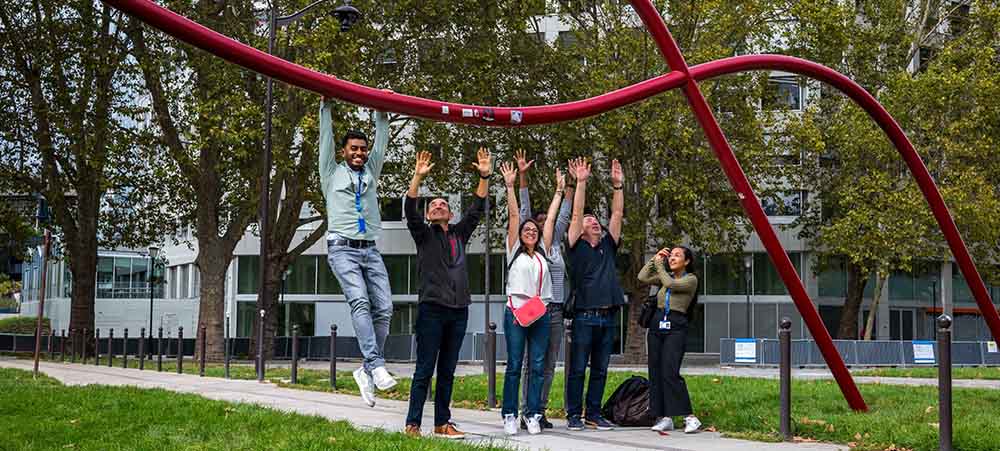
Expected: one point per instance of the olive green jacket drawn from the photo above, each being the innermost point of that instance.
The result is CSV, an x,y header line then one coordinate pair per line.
x,y
682,290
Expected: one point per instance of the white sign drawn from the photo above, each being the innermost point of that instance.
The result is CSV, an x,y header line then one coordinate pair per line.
x,y
746,350
923,352
991,346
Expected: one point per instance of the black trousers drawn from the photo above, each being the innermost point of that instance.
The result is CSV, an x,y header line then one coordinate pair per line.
x,y
668,394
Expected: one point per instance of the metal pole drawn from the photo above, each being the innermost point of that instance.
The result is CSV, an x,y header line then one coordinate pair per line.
x,y
295,354
46,241
944,382
180,350
491,353
83,345
125,349
785,338
97,347
151,289
49,345
260,346
934,302
159,350
749,319
201,352
486,282
72,345
62,346
333,356
111,349
142,348
226,345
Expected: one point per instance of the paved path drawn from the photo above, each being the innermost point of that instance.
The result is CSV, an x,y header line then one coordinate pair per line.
x,y
482,426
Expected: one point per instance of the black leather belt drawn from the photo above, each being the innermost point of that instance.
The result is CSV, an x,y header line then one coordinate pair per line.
x,y
605,311
356,244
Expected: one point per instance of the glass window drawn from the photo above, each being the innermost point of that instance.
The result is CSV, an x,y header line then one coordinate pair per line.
x,y
960,291
245,315
397,267
391,208
725,274
901,286
766,280
477,267
248,274
105,277
328,283
788,203
925,282
159,279
140,282
195,281
404,316
302,314
123,276
783,93
302,279
172,285
67,280
832,280
414,276
183,282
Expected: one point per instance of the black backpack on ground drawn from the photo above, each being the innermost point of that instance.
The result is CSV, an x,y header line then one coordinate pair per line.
x,y
628,406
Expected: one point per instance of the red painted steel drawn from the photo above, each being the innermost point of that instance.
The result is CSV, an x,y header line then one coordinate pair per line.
x,y
681,76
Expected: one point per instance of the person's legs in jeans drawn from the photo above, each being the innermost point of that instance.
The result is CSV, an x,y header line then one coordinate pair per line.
x,y
515,336
348,265
428,331
452,333
601,345
538,343
581,346
552,353
380,298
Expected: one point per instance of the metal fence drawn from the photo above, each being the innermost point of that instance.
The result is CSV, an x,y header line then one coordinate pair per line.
x,y
766,352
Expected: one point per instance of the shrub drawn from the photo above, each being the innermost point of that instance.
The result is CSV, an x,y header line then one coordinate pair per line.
x,y
22,325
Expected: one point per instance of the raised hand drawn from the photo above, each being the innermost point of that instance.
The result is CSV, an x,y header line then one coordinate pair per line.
x,y
662,254
522,161
484,163
617,177
509,172
424,165
582,169
560,181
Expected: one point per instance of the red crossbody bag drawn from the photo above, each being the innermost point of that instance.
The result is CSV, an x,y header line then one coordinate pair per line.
x,y
534,308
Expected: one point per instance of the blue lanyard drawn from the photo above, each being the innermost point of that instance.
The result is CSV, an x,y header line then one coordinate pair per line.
x,y
357,201
666,300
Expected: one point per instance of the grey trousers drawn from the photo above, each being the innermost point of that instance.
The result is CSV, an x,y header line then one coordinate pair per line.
x,y
556,330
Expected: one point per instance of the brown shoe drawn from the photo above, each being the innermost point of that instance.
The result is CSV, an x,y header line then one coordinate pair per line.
x,y
448,431
412,430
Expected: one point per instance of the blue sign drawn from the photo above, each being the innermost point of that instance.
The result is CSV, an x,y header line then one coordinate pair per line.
x,y
923,351
746,350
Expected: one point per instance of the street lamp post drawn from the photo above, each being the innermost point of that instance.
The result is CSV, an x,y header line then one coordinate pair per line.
x,y
153,253
347,15
934,282
747,265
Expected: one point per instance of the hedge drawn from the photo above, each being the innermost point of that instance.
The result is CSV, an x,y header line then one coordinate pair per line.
x,y
22,325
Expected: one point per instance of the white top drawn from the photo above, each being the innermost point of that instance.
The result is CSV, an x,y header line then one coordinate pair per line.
x,y
522,278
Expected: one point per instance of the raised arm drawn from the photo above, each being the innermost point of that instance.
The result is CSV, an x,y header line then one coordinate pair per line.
x,y
376,159
581,171
414,220
617,201
327,163
513,221
548,232
472,215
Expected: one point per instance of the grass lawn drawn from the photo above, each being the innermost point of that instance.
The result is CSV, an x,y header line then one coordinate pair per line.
x,y
932,372
903,416
45,415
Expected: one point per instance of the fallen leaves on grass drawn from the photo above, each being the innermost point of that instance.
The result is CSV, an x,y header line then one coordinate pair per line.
x,y
929,409
711,429
799,439
807,420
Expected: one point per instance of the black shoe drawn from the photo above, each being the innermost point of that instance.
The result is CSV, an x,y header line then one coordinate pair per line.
x,y
546,424
600,424
574,423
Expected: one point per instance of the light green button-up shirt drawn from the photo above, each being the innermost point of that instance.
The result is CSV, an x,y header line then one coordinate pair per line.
x,y
339,181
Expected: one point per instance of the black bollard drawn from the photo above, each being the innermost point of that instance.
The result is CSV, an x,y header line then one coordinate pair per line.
x,y
785,339
226,345
72,345
295,354
49,343
944,382
62,346
201,352
125,349
142,348
83,345
491,355
111,349
333,356
97,347
159,351
180,350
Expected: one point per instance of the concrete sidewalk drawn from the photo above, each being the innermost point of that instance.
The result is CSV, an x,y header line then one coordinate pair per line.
x,y
481,426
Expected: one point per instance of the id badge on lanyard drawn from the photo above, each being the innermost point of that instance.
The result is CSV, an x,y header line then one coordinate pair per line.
x,y
665,323
357,202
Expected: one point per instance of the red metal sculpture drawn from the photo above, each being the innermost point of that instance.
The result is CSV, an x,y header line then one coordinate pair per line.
x,y
681,76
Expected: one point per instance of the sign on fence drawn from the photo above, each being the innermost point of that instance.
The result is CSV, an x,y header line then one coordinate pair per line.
x,y
746,350
991,346
923,352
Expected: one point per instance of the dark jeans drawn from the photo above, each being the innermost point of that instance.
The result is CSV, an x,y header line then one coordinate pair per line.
x,y
593,339
536,338
440,331
668,393
556,332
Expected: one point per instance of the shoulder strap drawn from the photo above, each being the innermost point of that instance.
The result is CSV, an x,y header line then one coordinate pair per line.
x,y
541,271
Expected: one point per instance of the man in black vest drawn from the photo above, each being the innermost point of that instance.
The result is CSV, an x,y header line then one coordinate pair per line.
x,y
443,309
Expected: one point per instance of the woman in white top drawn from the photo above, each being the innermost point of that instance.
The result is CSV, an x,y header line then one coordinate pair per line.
x,y
527,277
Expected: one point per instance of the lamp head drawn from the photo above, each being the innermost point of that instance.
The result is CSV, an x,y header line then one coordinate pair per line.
x,y
154,252
347,15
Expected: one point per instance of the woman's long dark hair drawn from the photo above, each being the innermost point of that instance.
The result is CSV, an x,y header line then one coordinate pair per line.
x,y
689,268
539,245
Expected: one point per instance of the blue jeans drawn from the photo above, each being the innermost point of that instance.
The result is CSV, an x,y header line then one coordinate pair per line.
x,y
365,283
593,340
536,338
440,331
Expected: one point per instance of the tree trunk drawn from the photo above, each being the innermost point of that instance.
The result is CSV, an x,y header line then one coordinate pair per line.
x,y
212,266
270,306
635,338
873,310
856,281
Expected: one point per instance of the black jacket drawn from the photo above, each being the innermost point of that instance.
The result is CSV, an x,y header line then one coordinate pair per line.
x,y
444,279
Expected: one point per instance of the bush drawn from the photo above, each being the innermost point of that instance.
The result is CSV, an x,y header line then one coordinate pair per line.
x,y
22,325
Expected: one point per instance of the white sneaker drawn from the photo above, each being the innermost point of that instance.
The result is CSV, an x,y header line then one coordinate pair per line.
x,y
383,380
664,424
534,424
364,382
510,424
691,424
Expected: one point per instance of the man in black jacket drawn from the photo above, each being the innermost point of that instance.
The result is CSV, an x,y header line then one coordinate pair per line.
x,y
443,309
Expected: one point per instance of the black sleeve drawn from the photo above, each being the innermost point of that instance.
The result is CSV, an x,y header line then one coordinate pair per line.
x,y
414,221
611,241
470,218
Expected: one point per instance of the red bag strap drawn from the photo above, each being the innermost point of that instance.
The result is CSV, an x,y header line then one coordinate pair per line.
x,y
541,270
